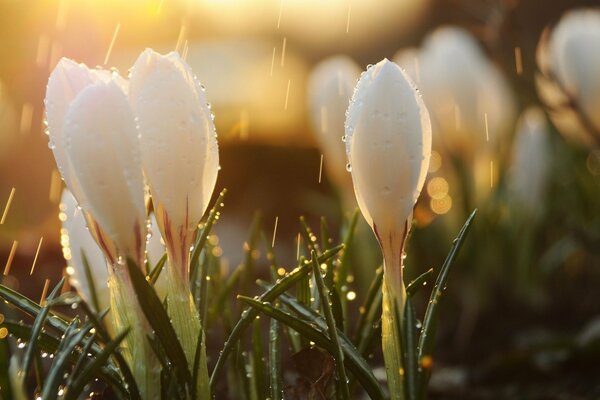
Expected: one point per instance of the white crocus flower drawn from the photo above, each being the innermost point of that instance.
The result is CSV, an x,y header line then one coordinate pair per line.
x,y
178,147
569,61
388,143
531,160
329,91
181,161
94,139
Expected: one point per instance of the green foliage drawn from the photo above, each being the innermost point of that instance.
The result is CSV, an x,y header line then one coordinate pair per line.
x,y
310,303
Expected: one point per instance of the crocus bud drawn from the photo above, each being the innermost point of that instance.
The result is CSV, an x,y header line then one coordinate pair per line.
x,y
569,60
178,146
180,157
388,143
329,91
531,160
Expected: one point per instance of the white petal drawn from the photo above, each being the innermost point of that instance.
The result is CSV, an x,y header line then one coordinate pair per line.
x,y
80,242
66,81
177,136
389,144
101,142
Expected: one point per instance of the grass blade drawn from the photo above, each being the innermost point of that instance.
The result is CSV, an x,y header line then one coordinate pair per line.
x,y
37,326
409,347
248,315
353,361
275,371
427,338
213,215
155,273
55,374
374,288
413,287
331,326
92,369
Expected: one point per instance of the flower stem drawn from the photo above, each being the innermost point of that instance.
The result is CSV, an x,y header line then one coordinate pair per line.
x,y
394,296
136,347
186,322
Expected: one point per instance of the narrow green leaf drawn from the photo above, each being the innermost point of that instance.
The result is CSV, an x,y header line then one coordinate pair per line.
x,y
353,361
156,271
61,361
331,328
248,315
258,363
197,357
83,357
92,369
413,287
213,215
158,319
96,320
372,300
30,307
409,347
275,371
37,326
427,338
90,281
309,236
344,263
50,345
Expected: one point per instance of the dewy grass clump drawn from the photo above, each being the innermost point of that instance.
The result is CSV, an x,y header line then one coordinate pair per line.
x,y
145,149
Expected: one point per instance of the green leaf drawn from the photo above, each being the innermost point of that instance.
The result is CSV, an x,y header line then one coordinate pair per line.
x,y
341,272
418,283
61,360
37,326
409,347
317,321
427,338
158,319
155,273
248,315
90,281
353,361
96,320
369,313
92,369
332,329
50,345
258,363
213,215
30,307
275,371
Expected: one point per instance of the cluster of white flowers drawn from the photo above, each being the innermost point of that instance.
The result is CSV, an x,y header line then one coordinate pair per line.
x,y
113,138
